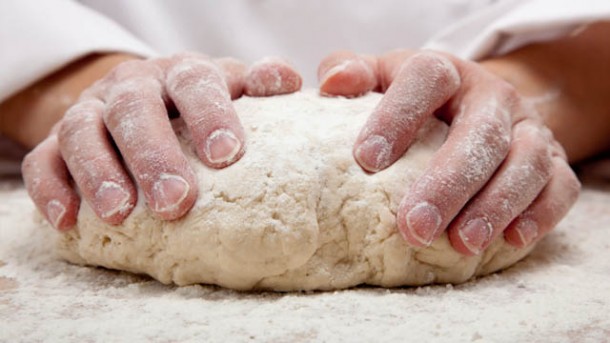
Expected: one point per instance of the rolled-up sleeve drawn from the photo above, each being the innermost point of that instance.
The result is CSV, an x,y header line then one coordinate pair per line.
x,y
39,37
511,24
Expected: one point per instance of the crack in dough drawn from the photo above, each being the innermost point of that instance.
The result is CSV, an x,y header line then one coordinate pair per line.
x,y
295,213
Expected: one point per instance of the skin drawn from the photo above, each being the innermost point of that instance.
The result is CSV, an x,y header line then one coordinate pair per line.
x,y
118,134
499,150
501,170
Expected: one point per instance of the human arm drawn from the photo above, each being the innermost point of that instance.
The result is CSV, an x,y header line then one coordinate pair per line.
x,y
568,82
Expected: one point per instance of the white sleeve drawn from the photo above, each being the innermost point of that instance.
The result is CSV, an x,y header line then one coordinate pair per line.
x,y
39,37
509,25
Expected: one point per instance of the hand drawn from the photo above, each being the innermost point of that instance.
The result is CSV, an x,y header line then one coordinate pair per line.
x,y
500,169
128,109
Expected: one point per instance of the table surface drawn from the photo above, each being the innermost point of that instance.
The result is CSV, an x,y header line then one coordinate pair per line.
x,y
561,292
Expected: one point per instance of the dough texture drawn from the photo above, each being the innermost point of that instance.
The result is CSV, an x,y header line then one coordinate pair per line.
x,y
295,213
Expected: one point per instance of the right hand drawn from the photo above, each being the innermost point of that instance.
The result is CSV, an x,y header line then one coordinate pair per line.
x,y
119,129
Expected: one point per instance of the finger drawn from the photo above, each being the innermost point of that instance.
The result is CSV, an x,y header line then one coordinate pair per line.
x,y
199,91
347,74
548,209
389,66
272,76
93,163
425,82
47,180
477,144
137,119
234,72
511,190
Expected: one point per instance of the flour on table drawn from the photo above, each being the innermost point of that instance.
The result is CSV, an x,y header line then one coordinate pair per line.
x,y
295,213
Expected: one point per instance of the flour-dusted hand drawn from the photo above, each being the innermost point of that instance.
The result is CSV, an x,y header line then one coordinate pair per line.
x,y
118,134
500,169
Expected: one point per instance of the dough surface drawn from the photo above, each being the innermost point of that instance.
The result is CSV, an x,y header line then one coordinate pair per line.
x,y
295,213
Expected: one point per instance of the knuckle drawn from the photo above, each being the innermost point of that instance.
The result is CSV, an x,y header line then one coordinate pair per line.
x,y
134,69
543,164
507,92
573,185
557,150
125,100
570,184
130,98
94,90
495,135
507,101
195,75
441,66
29,164
80,115
536,148
188,55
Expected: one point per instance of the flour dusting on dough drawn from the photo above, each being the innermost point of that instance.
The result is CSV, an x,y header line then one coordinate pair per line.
x,y
295,213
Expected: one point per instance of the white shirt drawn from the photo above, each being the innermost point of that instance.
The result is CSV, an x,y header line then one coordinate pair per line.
x,y
38,37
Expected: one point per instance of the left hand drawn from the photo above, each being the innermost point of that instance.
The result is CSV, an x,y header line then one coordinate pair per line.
x,y
500,171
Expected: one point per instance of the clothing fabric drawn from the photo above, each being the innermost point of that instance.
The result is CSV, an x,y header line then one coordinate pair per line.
x,y
39,37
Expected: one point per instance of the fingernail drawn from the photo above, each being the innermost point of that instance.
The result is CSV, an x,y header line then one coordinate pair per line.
x,y
335,70
112,199
222,146
169,192
374,153
475,234
528,231
55,212
423,222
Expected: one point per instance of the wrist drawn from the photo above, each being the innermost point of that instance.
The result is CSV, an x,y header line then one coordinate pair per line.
x,y
567,82
28,116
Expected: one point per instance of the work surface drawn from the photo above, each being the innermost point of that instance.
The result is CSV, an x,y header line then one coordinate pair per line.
x,y
561,292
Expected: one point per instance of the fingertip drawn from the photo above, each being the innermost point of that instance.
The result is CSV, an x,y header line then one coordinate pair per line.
x,y
522,232
457,242
115,201
272,76
419,222
46,179
347,74
222,147
373,154
172,196
472,237
62,214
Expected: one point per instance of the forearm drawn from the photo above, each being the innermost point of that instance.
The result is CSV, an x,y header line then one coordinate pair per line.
x,y
568,81
28,116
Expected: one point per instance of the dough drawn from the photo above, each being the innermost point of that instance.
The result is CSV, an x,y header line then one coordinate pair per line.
x,y
295,213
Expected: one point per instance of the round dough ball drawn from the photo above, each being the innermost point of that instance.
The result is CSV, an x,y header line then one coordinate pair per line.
x,y
295,213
